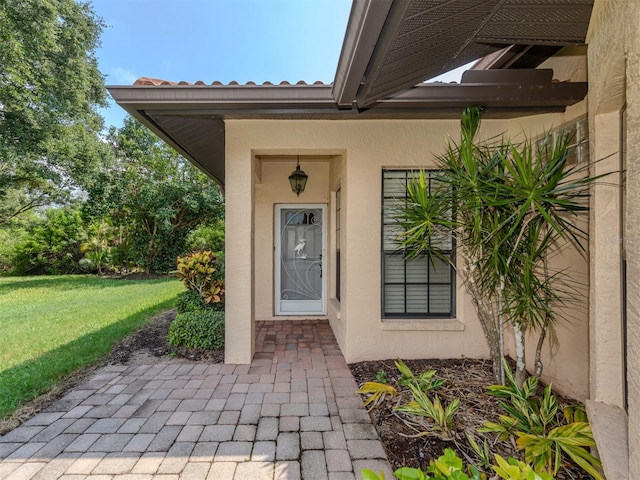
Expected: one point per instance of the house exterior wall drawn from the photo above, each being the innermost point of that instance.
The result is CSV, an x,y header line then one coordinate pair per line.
x,y
607,44
614,81
239,252
352,155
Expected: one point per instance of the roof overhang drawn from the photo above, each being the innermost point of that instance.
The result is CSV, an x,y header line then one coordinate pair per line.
x,y
390,47
190,118
420,39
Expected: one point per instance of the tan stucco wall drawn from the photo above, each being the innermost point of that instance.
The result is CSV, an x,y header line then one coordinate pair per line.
x,y
239,252
614,78
355,152
352,155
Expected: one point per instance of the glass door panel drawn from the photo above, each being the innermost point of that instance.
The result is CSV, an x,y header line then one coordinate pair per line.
x,y
300,246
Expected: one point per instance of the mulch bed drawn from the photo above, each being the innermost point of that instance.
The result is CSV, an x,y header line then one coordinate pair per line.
x,y
152,341
467,380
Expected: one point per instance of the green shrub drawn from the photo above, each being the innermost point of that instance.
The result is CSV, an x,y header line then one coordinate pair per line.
x,y
190,301
202,329
52,244
207,237
10,237
200,272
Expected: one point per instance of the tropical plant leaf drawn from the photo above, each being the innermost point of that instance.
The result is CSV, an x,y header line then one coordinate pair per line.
x,y
377,392
371,475
408,473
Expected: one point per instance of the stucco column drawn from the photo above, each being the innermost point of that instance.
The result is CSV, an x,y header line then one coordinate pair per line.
x,y
633,234
605,312
239,255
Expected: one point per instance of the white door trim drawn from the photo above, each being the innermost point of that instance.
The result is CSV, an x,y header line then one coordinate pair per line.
x,y
298,307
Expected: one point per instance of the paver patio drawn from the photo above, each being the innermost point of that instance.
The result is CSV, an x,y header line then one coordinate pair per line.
x,y
291,414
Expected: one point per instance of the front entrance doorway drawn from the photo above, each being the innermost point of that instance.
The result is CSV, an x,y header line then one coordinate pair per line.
x,y
300,287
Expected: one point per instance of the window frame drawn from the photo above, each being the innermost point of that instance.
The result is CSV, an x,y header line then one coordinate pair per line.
x,y
338,232
428,315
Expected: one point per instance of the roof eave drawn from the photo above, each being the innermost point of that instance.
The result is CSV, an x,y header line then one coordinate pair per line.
x,y
366,20
191,118
239,100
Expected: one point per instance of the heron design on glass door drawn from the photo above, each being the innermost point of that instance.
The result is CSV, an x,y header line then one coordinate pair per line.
x,y
301,243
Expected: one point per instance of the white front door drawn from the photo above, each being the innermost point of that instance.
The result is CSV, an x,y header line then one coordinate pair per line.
x,y
299,266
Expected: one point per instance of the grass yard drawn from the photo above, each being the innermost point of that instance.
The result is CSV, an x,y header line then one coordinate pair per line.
x,y
53,325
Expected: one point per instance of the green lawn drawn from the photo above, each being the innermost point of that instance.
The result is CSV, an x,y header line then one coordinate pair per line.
x,y
53,325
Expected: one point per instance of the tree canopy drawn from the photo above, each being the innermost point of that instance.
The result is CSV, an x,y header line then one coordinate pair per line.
x,y
50,89
153,196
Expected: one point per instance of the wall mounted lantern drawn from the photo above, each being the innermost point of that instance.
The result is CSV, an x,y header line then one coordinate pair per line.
x,y
298,179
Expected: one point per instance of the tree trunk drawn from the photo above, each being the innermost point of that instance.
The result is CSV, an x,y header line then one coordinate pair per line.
x,y
545,326
501,328
521,365
538,362
488,320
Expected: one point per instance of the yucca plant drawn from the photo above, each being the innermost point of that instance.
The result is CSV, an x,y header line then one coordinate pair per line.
x,y
508,206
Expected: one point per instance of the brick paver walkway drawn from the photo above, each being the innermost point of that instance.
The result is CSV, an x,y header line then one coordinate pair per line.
x,y
291,414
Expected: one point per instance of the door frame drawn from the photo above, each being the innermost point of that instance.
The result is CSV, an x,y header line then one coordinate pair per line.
x,y
277,257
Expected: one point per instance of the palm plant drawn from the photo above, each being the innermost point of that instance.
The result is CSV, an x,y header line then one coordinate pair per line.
x,y
508,206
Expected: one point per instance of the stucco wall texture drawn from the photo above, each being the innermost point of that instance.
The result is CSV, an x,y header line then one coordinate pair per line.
x,y
614,81
351,155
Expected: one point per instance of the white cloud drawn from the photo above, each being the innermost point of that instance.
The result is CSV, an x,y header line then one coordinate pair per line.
x,y
122,76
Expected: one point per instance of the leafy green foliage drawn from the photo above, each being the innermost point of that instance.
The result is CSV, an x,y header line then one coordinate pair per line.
x,y
441,415
482,451
526,411
513,469
97,247
535,421
451,467
154,197
208,236
50,88
377,393
202,329
371,475
190,301
424,380
11,235
382,376
52,245
198,273
545,452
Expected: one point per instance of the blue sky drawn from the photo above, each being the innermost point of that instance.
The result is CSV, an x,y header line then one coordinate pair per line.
x,y
225,40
